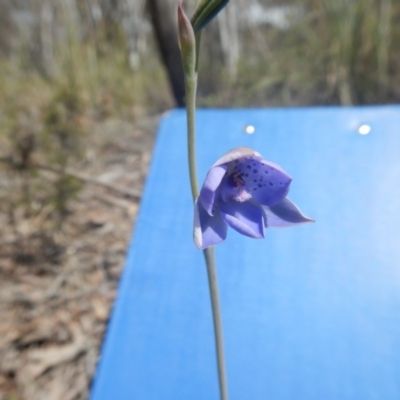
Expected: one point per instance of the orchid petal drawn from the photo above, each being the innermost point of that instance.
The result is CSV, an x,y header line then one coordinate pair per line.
x,y
208,230
267,183
284,214
246,218
209,192
236,154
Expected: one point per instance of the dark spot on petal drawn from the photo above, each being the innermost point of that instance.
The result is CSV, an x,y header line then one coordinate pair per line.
x,y
255,180
259,185
271,184
255,171
246,175
248,166
266,172
281,183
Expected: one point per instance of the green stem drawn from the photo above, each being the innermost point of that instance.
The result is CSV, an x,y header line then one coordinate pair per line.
x,y
219,341
191,86
198,41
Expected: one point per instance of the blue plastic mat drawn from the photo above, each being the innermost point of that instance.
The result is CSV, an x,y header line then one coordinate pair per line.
x,y
309,313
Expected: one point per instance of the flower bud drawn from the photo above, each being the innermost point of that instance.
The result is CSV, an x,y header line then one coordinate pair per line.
x,y
187,40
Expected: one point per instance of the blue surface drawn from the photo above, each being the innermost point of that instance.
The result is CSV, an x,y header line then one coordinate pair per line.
x,y
309,313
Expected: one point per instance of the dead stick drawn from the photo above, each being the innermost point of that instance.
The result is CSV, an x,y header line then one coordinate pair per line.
x,y
81,176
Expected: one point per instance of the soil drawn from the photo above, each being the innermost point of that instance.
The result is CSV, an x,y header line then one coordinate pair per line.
x,y
57,290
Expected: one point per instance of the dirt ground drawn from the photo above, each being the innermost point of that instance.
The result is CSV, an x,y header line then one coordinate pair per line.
x,y
56,291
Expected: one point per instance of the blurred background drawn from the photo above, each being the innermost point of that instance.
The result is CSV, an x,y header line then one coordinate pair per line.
x,y
83,84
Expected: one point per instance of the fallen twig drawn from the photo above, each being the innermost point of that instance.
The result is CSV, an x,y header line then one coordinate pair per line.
x,y
81,176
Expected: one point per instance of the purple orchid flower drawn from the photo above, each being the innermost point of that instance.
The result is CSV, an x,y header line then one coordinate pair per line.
x,y
245,192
